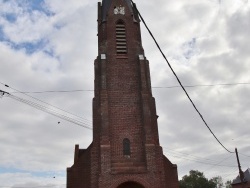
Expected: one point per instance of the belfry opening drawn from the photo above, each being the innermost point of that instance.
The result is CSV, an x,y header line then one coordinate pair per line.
x,y
125,151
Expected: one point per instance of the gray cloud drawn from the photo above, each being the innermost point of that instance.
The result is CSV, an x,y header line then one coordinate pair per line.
x,y
212,34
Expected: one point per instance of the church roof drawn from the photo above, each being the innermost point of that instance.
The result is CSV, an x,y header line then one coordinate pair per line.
x,y
246,177
106,6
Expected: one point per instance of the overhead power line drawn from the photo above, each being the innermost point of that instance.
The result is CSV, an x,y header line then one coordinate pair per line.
x,y
244,154
197,159
49,109
190,155
177,78
202,85
39,186
154,87
84,119
55,91
202,162
219,163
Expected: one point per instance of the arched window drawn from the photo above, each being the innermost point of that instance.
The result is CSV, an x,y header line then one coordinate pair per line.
x,y
121,44
126,146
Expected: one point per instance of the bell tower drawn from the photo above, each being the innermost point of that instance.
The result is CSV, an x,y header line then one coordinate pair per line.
x,y
125,151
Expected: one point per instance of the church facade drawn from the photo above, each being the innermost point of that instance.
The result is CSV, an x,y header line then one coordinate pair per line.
x,y
125,152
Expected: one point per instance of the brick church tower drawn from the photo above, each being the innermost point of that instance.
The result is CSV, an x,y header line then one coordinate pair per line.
x,y
125,152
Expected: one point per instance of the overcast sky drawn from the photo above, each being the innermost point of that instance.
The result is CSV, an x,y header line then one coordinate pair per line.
x,y
50,45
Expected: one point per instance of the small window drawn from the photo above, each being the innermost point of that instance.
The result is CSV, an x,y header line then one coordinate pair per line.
x,y
121,44
126,147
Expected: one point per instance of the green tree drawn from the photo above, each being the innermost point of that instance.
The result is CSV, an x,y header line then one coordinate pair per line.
x,y
196,179
228,184
218,181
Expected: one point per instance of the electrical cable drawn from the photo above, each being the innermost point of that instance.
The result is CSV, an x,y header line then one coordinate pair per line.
x,y
231,173
244,154
223,160
160,87
189,155
202,85
45,102
196,163
33,186
49,111
199,161
208,162
62,91
177,78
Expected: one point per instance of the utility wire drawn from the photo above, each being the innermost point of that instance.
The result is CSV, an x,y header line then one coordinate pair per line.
x,y
199,159
244,154
45,102
223,160
86,125
56,91
160,87
189,155
202,85
231,173
40,186
201,162
50,111
183,88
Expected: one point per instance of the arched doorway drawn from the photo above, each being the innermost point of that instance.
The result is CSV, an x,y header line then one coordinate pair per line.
x,y
130,185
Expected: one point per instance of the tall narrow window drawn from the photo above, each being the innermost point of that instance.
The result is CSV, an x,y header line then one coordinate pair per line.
x,y
121,44
126,147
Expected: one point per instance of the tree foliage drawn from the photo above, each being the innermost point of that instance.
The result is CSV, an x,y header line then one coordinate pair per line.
x,y
218,181
228,184
196,179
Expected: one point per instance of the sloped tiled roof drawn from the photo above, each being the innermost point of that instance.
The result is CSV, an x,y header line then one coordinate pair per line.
x,y
246,179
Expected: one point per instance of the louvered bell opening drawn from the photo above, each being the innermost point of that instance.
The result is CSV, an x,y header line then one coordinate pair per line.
x,y
121,44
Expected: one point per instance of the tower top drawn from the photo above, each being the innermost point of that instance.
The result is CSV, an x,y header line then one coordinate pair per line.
x,y
106,4
125,151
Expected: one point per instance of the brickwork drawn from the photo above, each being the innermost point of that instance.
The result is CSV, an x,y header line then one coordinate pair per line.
x,y
245,185
123,108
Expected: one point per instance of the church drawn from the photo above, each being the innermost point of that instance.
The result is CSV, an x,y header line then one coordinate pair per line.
x,y
125,151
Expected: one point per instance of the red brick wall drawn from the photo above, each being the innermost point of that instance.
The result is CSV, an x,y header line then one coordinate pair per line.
x,y
79,174
245,185
123,107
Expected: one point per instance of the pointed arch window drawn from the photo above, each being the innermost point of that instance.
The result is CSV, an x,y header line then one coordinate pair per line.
x,y
126,147
121,43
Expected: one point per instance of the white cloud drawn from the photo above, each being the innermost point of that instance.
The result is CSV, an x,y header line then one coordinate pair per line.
x,y
27,26
17,180
206,42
